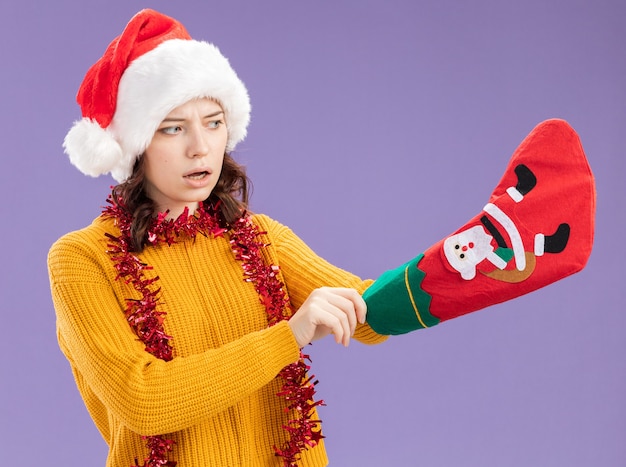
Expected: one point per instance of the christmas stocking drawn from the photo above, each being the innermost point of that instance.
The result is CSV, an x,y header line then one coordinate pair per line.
x,y
536,228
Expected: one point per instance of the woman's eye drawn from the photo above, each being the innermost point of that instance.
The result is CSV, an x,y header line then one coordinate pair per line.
x,y
215,124
171,130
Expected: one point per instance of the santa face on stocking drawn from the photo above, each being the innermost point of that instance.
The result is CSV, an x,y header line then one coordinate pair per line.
x,y
465,250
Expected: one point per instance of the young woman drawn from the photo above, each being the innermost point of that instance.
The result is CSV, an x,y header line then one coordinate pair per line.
x,y
183,316
172,304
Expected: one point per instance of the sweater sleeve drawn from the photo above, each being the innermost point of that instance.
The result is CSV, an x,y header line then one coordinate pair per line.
x,y
150,396
305,271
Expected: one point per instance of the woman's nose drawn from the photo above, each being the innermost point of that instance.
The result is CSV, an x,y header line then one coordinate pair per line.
x,y
198,143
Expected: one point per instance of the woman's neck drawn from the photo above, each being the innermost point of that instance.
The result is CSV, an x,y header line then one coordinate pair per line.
x,y
174,212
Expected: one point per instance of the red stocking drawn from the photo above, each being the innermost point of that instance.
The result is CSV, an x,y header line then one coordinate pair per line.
x,y
536,228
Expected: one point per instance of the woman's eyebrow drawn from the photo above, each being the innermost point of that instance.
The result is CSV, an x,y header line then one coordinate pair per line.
x,y
174,119
214,114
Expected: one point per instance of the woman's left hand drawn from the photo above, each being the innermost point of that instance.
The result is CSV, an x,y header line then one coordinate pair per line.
x,y
328,310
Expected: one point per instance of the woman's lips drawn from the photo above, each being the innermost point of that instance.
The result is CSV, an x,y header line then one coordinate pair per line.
x,y
197,175
198,172
198,178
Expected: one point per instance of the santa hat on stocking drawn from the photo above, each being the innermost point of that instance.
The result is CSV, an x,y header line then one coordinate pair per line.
x,y
151,68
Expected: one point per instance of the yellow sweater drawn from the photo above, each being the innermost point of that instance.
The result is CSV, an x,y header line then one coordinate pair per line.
x,y
216,398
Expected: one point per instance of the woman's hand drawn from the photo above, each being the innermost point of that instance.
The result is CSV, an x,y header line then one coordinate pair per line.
x,y
328,310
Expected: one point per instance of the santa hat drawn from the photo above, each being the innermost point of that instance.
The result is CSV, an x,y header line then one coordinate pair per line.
x,y
151,68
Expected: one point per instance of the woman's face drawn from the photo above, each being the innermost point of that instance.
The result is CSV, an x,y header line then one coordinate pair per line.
x,y
184,159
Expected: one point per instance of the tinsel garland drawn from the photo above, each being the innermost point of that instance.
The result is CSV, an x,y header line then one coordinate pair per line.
x,y
298,388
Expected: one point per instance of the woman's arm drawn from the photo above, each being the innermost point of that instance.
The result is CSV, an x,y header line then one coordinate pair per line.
x,y
304,272
149,395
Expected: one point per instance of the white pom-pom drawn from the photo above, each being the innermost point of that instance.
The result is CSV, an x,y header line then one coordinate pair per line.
x,y
92,149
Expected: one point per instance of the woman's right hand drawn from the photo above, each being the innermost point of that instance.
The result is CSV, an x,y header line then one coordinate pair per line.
x,y
328,310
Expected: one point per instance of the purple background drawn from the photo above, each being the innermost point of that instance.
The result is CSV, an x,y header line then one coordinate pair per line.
x,y
378,127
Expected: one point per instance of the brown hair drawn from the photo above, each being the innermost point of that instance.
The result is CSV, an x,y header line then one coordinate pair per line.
x,y
231,194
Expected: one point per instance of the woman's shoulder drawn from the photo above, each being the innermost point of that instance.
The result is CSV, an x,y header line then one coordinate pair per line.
x,y
262,219
270,226
93,235
80,255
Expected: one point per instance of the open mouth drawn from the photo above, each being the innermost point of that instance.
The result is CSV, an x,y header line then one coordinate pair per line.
x,y
197,175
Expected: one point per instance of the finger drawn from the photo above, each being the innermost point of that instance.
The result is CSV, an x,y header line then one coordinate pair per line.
x,y
358,308
335,309
344,310
336,320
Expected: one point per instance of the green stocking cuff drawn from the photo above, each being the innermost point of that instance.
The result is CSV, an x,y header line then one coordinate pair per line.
x,y
396,302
